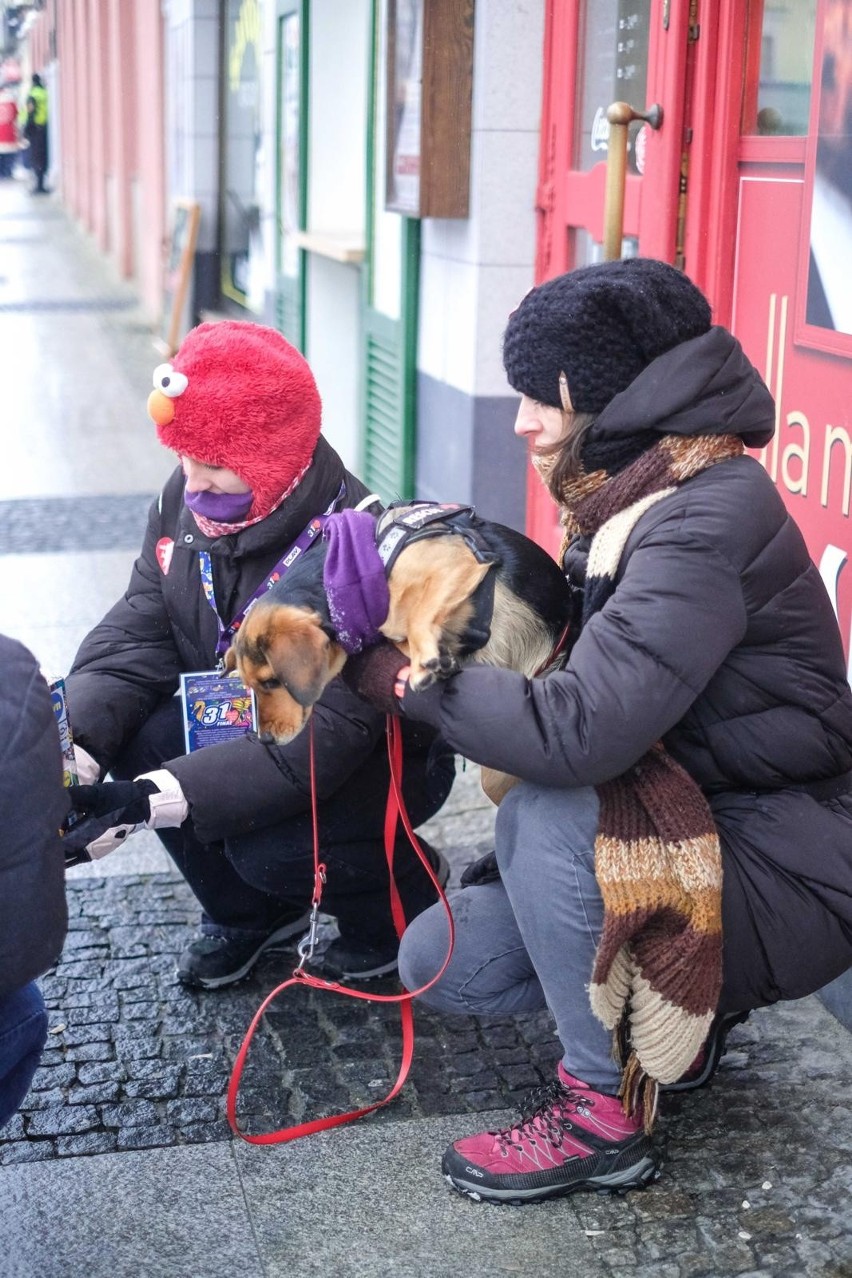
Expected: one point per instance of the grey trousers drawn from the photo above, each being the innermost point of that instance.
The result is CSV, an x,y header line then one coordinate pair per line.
x,y
527,941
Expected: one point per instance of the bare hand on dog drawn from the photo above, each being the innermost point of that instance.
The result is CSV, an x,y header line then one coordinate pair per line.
x,y
372,674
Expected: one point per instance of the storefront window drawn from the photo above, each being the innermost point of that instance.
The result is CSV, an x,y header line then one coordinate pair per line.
x,y
613,68
240,217
289,174
786,58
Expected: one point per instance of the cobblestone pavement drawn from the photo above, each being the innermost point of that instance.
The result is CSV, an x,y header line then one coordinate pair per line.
x,y
759,1166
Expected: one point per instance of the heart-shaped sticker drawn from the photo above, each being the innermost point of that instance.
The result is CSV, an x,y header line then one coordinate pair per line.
x,y
165,548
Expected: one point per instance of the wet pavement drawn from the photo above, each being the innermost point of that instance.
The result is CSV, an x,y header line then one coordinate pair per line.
x,y
121,1161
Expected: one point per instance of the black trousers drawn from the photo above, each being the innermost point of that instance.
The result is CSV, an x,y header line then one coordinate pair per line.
x,y
248,884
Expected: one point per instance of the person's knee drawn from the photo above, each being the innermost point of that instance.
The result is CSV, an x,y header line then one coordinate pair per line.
x,y
160,737
422,951
536,821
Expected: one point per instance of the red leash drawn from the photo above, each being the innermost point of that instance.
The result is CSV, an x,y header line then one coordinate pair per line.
x,y
394,812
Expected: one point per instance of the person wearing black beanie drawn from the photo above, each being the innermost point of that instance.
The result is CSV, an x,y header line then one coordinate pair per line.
x,y
698,734
600,326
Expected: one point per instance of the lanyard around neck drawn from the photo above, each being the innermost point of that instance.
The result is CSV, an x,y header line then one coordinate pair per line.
x,y
306,538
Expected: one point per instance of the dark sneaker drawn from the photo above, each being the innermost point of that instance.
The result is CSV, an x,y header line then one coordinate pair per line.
x,y
707,1061
347,959
569,1137
210,962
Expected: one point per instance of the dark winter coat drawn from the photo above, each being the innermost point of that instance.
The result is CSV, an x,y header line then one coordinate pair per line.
x,y
33,804
164,626
720,640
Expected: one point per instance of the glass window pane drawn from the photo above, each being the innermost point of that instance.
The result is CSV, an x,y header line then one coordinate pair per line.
x,y
786,66
613,68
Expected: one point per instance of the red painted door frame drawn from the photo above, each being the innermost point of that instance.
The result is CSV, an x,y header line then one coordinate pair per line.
x,y
741,234
568,197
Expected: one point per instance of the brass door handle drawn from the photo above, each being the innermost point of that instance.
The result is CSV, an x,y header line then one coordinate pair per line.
x,y
619,115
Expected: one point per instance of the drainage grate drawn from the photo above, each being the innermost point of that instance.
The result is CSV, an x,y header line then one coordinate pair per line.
x,y
71,304
51,525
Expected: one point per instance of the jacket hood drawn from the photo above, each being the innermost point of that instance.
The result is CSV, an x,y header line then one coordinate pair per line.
x,y
706,386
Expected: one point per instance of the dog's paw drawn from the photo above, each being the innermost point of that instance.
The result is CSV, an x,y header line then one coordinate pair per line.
x,y
421,678
442,666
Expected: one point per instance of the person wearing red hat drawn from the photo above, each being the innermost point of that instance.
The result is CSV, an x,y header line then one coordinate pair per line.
x,y
240,407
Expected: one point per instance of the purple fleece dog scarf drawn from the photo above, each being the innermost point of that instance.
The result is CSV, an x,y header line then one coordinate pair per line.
x,y
354,579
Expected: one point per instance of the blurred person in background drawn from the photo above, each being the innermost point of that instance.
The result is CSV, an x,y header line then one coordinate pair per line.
x,y
9,141
35,133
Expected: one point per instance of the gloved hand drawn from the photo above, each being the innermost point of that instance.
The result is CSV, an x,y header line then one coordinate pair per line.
x,y
377,674
88,769
103,816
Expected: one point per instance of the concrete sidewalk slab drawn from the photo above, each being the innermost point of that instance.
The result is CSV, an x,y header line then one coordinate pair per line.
x,y
169,1213
369,1201
364,1202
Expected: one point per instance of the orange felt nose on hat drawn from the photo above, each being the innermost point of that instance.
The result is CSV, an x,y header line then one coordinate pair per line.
x,y
161,409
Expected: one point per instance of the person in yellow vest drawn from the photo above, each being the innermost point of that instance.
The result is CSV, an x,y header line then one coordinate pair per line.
x,y
35,132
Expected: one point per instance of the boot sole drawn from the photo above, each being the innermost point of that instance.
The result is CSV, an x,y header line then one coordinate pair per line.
x,y
639,1176
385,969
713,1058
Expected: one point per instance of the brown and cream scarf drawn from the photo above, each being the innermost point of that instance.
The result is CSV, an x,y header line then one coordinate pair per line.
x,y
658,968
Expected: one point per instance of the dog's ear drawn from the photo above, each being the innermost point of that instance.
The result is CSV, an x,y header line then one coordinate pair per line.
x,y
229,661
302,656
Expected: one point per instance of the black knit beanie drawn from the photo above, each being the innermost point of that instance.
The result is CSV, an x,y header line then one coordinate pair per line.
x,y
600,325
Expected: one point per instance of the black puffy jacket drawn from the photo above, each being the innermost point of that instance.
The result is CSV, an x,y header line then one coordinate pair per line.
x,y
720,640
164,626
33,804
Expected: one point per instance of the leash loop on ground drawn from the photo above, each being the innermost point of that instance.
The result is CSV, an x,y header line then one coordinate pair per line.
x,y
395,811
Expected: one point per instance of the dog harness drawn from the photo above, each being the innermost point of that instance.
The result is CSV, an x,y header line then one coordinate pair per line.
x,y
404,522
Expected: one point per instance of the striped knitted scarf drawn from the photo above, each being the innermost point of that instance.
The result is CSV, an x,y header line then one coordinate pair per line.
x,y
658,968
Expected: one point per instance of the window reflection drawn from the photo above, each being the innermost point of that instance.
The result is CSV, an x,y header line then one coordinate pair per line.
x,y
613,68
786,62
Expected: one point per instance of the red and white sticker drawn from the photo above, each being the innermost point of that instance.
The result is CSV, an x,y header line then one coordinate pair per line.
x,y
165,549
640,148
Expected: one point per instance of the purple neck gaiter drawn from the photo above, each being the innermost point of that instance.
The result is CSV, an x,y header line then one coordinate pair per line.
x,y
225,508
354,579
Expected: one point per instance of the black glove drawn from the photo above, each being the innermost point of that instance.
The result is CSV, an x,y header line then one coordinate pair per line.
x,y
372,674
485,870
102,817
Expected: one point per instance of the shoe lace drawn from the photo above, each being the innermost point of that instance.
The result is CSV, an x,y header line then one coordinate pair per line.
x,y
544,1115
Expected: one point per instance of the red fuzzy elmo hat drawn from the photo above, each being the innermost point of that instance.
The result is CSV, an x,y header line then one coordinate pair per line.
x,y
239,395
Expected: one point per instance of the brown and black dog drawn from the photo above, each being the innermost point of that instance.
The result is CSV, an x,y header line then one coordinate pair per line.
x,y
461,589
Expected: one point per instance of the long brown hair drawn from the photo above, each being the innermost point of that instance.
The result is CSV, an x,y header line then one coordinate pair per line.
x,y
566,452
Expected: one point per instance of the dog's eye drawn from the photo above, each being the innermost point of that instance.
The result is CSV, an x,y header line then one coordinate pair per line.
x,y
269,685
170,382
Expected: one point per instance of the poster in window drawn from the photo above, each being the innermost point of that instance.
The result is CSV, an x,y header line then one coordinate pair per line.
x,y
405,103
826,321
